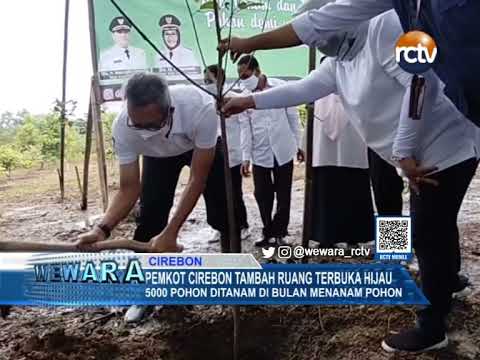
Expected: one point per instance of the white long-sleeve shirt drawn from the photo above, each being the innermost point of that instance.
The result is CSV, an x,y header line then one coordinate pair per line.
x,y
346,149
233,126
234,130
270,134
316,25
374,92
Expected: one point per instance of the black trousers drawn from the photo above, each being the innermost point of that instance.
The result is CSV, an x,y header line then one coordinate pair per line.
x,y
240,209
270,183
387,186
437,239
159,180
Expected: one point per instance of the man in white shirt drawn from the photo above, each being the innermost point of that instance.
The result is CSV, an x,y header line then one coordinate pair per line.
x,y
181,56
122,56
171,128
375,93
270,141
212,74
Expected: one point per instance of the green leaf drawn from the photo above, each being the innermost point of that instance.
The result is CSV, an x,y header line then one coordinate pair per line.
x,y
247,4
207,6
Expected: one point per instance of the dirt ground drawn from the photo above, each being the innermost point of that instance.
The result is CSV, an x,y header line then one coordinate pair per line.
x,y
30,210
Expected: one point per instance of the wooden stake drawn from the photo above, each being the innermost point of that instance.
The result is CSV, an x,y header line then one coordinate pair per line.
x,y
308,201
100,146
79,182
64,99
95,101
86,160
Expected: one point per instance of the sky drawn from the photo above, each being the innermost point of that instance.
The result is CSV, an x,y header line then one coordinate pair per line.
x,y
32,55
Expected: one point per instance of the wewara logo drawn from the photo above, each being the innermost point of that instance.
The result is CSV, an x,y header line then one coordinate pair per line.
x,y
415,52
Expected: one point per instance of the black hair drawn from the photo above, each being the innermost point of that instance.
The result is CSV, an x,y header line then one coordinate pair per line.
x,y
143,89
216,71
250,61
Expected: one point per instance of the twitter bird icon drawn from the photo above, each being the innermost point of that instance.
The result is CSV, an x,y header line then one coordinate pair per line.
x,y
268,252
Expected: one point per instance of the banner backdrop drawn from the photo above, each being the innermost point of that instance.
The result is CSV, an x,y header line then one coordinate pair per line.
x,y
167,23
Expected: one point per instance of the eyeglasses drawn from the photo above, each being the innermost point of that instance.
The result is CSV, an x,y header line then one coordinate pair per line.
x,y
153,127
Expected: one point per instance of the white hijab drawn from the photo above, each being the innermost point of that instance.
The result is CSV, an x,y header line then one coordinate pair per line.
x,y
344,45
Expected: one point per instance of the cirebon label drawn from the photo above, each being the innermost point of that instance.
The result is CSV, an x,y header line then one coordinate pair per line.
x,y
416,52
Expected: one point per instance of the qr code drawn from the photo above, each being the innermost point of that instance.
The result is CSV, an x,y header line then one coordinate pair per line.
x,y
394,235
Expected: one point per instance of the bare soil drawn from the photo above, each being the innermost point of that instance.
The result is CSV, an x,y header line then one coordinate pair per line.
x,y
30,210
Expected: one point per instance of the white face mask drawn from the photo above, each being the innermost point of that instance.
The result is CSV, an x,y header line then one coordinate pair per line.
x,y
211,87
146,134
251,83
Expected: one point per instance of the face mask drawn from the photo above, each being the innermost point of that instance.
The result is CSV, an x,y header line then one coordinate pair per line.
x,y
251,83
212,87
163,131
147,134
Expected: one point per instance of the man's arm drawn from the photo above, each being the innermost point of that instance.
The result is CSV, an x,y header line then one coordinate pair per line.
x,y
246,135
319,83
316,25
310,27
120,206
246,138
202,161
126,197
294,122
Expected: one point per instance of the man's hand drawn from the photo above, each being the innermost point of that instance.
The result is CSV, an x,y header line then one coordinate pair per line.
x,y
166,241
300,155
236,105
237,47
416,174
245,169
86,241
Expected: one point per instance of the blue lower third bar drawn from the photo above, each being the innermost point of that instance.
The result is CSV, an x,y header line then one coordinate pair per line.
x,y
327,284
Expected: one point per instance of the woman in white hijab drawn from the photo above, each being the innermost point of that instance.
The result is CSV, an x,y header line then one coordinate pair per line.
x,y
375,93
342,201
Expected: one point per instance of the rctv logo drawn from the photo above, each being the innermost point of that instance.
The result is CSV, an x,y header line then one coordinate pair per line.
x,y
415,52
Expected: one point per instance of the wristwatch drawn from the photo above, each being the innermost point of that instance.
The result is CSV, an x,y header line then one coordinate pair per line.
x,y
107,230
397,158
